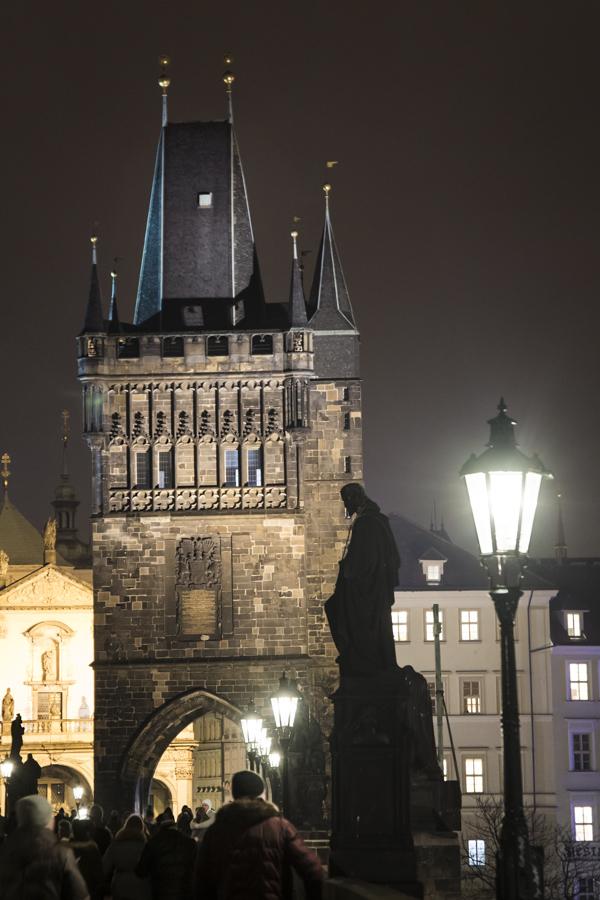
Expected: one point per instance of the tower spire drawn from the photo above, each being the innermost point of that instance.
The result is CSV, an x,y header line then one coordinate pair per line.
x,y
560,547
66,430
164,82
228,79
5,471
297,302
113,314
330,308
94,319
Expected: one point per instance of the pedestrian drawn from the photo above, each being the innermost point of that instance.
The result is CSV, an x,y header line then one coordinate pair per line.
x,y
250,850
183,820
200,816
115,822
120,860
204,820
88,856
32,861
64,831
99,832
168,860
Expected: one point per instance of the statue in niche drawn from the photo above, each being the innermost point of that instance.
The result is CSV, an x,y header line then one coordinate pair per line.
x,y
8,706
4,560
50,535
359,611
16,731
48,668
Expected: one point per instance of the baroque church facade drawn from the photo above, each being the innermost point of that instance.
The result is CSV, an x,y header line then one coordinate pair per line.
x,y
221,429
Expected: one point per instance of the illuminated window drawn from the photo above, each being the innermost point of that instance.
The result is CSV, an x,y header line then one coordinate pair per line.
x,y
429,625
205,200
254,467
581,752
471,696
578,681
583,820
473,770
232,468
400,624
165,470
476,853
469,625
142,469
574,624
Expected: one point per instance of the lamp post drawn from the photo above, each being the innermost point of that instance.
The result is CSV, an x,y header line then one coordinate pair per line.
x,y
6,770
78,795
285,704
251,728
503,487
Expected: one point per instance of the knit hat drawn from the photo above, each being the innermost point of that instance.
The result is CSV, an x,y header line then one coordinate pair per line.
x,y
246,784
33,811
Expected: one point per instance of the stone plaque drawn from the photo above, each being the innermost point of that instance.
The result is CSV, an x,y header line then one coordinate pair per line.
x,y
198,611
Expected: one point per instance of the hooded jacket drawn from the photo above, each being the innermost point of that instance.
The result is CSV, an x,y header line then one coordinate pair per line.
x,y
35,866
248,854
119,864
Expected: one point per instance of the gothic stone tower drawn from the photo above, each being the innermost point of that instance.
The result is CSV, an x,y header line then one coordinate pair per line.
x,y
221,429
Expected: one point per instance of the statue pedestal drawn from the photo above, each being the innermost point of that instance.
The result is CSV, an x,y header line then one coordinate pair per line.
x,y
371,750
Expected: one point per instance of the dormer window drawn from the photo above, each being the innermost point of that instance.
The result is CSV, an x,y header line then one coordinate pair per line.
x,y
574,623
205,200
432,563
262,344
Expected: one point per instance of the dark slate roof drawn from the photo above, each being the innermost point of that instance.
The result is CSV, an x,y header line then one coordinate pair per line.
x,y
577,583
94,317
18,538
329,306
193,253
297,303
462,571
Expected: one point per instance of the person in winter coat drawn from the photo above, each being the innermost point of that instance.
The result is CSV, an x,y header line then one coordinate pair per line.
x,y
100,833
203,819
250,850
32,861
120,860
89,858
168,859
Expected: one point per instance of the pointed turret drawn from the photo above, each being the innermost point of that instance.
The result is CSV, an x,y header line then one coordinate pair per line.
x,y
94,318
560,547
65,505
297,302
329,306
199,243
113,313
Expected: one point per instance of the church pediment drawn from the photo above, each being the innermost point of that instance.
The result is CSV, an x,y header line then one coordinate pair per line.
x,y
49,586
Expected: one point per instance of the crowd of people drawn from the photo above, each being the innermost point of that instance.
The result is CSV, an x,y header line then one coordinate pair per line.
x,y
245,851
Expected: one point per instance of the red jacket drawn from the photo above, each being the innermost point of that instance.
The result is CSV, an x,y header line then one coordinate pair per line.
x,y
248,854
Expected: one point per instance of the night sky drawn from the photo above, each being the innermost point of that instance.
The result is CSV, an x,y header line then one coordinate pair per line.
x,y
466,207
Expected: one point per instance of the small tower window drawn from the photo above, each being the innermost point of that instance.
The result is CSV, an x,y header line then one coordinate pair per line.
x,y
165,470
347,465
217,346
205,200
172,346
346,394
232,468
128,348
346,421
262,344
255,467
142,469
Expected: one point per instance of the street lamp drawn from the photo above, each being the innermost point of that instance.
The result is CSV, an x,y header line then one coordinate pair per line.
x,y
251,728
503,487
285,704
6,770
78,795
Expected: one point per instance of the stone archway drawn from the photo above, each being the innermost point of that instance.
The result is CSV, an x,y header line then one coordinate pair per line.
x,y
140,759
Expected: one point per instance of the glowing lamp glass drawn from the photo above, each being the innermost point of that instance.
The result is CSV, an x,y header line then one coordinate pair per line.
x,y
284,710
251,727
274,759
503,506
78,792
264,744
6,768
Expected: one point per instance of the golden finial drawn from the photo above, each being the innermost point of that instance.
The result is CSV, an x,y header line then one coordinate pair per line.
x,y
5,471
294,235
331,163
163,79
94,243
228,76
327,190
66,428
